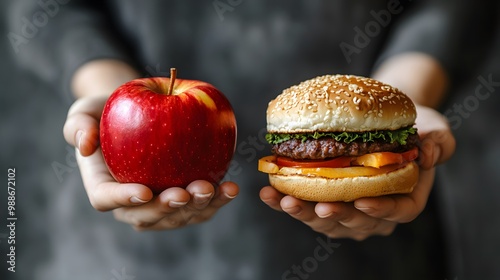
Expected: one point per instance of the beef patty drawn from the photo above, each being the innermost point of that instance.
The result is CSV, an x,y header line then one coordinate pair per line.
x,y
323,148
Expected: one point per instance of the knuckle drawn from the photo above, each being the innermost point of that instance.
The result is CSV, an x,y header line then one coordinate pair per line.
x,y
361,237
308,219
141,224
177,223
368,228
117,215
181,219
96,205
138,229
332,232
412,215
335,235
130,218
387,231
202,218
326,227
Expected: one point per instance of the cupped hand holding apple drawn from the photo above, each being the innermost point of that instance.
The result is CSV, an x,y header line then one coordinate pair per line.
x,y
167,132
132,203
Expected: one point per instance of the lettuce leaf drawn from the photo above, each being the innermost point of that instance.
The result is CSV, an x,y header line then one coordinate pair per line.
x,y
390,136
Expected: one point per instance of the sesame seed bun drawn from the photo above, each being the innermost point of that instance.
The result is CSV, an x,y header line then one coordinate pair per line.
x,y
321,189
340,103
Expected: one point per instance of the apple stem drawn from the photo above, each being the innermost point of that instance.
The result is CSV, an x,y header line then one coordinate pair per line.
x,y
173,75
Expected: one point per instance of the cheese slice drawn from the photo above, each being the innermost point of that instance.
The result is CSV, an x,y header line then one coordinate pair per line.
x,y
344,172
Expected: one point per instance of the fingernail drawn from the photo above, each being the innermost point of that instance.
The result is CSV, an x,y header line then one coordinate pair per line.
x,y
325,215
294,210
364,209
229,196
176,204
201,198
78,138
136,200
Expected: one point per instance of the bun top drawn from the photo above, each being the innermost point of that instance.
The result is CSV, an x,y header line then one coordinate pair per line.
x,y
340,103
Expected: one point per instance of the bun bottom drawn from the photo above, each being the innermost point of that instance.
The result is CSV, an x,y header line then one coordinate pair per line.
x,y
321,189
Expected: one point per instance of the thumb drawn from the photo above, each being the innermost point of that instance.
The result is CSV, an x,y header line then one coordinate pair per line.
x,y
436,147
82,132
81,128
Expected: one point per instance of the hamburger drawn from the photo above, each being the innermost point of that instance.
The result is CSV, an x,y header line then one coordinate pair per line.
x,y
340,138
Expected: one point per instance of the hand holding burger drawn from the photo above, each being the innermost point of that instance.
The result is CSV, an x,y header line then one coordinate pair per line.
x,y
340,138
368,216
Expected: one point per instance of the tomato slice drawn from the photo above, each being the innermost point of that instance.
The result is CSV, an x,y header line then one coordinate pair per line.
x,y
274,164
333,163
410,154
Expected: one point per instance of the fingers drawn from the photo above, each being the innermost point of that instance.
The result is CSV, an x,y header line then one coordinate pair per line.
x,y
436,148
336,219
201,193
271,197
351,222
81,128
400,208
437,140
224,193
177,207
169,201
134,203
103,191
91,106
203,205
82,132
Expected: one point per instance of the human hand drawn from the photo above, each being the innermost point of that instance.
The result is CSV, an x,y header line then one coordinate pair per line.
x,y
134,203
366,217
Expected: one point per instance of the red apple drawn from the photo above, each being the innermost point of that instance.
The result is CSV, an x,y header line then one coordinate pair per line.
x,y
167,132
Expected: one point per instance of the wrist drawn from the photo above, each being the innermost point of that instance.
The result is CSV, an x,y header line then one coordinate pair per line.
x,y
101,77
418,75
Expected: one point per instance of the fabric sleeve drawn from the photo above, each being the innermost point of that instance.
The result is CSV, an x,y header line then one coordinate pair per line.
x,y
455,32
52,38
